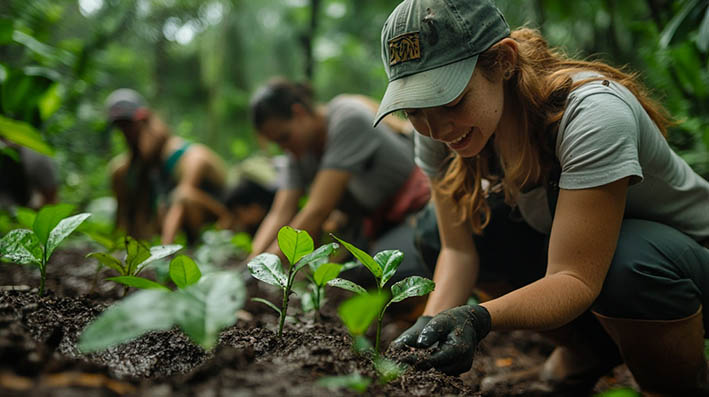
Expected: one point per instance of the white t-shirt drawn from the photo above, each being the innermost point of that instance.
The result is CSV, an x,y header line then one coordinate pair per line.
x,y
605,135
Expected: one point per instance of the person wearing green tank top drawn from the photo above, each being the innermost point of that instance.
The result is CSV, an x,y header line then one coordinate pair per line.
x,y
164,184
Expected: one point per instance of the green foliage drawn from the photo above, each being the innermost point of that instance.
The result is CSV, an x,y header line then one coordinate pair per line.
x,y
388,370
625,392
201,310
138,256
383,266
50,227
297,246
355,382
358,312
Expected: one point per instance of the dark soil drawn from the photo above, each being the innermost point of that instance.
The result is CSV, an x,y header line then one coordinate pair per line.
x,y
38,354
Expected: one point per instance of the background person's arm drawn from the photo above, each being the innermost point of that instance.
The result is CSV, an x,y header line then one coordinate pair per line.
x,y
326,191
198,165
284,207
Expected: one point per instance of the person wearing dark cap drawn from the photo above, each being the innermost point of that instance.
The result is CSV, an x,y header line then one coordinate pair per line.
x,y
346,167
29,178
607,256
164,184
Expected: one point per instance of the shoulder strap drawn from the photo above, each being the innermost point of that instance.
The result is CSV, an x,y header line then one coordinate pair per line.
x,y
174,158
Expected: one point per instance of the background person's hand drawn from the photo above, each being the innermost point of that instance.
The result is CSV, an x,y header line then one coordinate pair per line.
x,y
411,335
457,331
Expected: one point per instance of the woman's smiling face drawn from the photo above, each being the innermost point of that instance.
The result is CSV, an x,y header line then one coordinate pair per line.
x,y
466,123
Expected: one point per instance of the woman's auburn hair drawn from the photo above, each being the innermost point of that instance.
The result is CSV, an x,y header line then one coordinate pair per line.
x,y
540,84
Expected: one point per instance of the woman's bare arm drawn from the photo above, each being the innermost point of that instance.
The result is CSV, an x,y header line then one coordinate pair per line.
x,y
583,240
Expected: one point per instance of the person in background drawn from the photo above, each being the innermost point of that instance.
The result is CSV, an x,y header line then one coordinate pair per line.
x,y
29,179
164,183
248,202
552,174
337,159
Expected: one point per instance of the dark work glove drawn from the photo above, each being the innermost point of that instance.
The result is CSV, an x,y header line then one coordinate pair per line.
x,y
457,331
411,335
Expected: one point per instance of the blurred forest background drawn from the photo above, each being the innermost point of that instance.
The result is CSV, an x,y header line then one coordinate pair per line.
x,y
197,62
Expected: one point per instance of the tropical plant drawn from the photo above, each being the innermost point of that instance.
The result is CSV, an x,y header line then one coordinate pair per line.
x,y
50,227
201,307
383,267
297,246
138,256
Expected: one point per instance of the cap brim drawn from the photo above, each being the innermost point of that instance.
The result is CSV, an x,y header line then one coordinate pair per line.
x,y
426,89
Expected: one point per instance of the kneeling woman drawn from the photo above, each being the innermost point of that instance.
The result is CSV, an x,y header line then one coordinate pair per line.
x,y
578,148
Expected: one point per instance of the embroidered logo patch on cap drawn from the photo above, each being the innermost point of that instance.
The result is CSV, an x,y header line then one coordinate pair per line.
x,y
404,47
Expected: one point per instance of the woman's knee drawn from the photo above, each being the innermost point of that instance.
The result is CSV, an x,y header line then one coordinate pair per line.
x,y
654,274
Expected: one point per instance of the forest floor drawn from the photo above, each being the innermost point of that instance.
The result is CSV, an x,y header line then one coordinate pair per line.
x,y
38,354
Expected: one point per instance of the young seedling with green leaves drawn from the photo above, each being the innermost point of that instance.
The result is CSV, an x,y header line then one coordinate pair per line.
x,y
383,267
201,306
50,226
321,274
138,256
357,313
297,246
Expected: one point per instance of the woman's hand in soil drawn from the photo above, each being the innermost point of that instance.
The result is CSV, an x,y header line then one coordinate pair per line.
x,y
457,332
411,335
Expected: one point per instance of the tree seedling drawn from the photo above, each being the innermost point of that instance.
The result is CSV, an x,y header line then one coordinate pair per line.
x,y
137,257
201,306
383,266
357,313
321,274
297,246
50,227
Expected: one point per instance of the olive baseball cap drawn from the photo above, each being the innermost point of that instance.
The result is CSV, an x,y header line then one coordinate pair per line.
x,y
430,48
123,104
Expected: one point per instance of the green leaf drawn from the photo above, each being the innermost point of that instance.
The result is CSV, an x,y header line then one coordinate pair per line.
x,y
136,253
411,286
63,230
21,246
703,34
326,273
361,345
346,284
669,31
6,29
317,257
205,308
624,392
388,370
267,303
138,282
50,102
307,301
294,243
24,134
25,216
354,382
389,260
363,257
359,311
242,241
109,261
141,312
184,272
159,252
267,268
48,218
